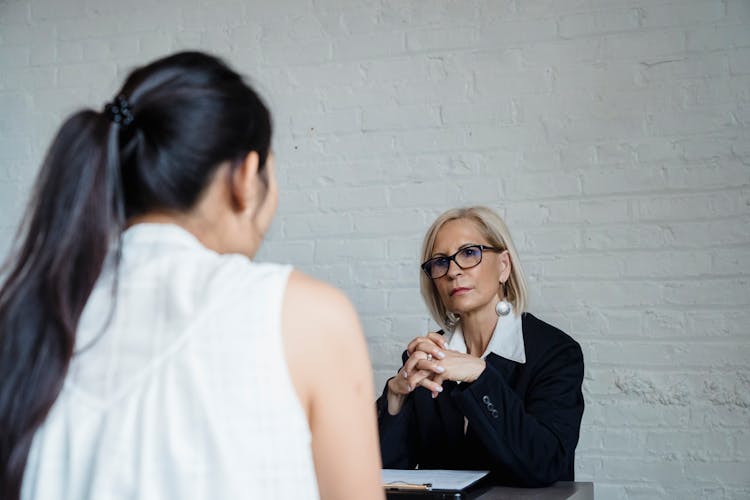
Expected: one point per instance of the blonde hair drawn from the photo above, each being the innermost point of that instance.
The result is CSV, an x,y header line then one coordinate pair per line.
x,y
493,228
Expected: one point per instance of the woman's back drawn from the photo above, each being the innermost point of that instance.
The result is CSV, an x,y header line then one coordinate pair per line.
x,y
185,392
214,377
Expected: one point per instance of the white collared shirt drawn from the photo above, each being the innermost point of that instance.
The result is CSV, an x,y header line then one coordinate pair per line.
x,y
506,341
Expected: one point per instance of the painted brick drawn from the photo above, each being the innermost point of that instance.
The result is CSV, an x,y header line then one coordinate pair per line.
x,y
599,23
339,199
288,252
311,52
369,302
370,46
405,248
611,135
586,50
668,354
481,191
361,145
316,225
703,66
544,185
681,14
549,240
730,261
87,74
388,275
719,292
727,174
736,231
717,37
432,39
509,34
644,44
637,415
738,62
350,250
14,56
14,13
686,123
404,301
401,117
388,224
425,194
691,207
451,88
583,266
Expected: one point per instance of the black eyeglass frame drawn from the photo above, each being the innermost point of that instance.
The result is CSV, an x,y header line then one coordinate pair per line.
x,y
426,264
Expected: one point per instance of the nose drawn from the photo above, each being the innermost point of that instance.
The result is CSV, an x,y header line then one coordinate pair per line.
x,y
453,269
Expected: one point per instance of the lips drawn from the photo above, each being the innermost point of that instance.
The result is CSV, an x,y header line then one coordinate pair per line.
x,y
459,291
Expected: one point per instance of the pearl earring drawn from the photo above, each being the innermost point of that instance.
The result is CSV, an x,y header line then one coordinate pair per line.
x,y
503,307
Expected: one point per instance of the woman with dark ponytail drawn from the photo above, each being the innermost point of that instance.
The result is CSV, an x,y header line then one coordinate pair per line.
x,y
143,354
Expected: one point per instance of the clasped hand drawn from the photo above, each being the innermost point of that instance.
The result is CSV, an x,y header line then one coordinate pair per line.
x,y
430,363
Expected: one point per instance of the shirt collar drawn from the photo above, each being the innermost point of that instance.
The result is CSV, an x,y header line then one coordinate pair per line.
x,y
159,233
506,341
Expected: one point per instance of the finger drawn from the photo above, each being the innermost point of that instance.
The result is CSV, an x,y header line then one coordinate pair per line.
x,y
413,345
428,347
416,379
399,385
411,363
430,365
431,386
438,339
439,379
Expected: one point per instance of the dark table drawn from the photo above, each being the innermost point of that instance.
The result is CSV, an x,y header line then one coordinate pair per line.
x,y
563,490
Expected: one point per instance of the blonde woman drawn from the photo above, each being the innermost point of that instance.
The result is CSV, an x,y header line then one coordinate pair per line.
x,y
497,388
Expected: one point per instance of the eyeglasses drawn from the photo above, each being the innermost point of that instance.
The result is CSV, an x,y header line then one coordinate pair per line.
x,y
466,258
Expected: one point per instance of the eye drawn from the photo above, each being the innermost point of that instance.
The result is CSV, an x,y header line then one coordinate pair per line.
x,y
470,252
441,262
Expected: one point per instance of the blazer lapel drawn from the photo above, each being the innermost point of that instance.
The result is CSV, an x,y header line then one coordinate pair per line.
x,y
502,365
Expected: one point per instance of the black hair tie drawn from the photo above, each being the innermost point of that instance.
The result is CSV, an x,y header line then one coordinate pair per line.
x,y
119,111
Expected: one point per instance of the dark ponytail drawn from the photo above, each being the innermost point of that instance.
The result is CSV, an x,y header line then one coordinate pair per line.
x,y
190,113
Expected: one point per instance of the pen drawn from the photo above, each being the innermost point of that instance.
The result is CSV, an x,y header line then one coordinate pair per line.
x,y
399,485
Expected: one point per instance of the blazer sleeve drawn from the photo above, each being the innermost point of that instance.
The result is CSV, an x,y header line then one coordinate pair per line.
x,y
535,439
396,441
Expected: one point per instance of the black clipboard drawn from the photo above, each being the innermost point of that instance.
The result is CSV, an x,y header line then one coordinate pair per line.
x,y
395,493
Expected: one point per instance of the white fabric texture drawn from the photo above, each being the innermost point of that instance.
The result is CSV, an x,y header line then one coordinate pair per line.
x,y
185,392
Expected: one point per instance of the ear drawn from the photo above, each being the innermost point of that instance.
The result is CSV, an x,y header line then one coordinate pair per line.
x,y
245,181
505,265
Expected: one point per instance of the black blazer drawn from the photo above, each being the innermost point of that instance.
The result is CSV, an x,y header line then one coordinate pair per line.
x,y
524,419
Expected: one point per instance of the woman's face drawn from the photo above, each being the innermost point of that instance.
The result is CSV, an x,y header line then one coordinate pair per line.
x,y
464,291
269,202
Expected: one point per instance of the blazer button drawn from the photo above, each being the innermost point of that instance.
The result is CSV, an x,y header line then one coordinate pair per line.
x,y
495,414
491,407
485,399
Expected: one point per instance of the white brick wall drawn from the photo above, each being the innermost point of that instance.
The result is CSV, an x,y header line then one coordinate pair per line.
x,y
613,136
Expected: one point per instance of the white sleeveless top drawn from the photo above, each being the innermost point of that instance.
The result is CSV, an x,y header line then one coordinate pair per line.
x,y
185,393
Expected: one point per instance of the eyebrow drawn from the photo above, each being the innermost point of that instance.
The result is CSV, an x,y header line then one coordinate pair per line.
x,y
465,245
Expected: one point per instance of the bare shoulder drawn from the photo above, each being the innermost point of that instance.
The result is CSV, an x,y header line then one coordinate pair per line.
x,y
331,371
313,306
304,290
322,336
